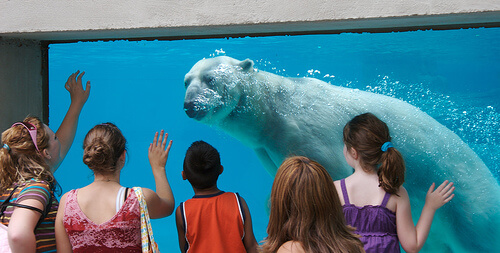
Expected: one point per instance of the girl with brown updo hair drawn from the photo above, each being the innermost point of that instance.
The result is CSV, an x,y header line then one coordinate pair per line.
x,y
373,197
306,215
29,155
105,216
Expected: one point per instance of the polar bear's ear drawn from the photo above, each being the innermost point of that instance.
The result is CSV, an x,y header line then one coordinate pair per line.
x,y
246,65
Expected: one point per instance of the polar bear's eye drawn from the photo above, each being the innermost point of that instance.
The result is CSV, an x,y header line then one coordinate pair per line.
x,y
187,81
208,79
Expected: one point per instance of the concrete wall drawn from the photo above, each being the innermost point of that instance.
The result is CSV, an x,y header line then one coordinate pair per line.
x,y
27,26
23,83
61,20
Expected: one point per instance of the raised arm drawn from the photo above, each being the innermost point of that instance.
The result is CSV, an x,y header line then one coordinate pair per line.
x,y
160,203
412,238
67,129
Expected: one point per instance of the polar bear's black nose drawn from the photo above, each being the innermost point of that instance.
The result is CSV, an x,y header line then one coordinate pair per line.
x,y
189,109
192,111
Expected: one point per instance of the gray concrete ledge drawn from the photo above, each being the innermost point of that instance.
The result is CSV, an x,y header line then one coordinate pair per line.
x,y
62,21
388,24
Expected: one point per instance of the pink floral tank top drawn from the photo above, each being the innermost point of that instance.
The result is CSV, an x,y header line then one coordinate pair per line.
x,y
122,233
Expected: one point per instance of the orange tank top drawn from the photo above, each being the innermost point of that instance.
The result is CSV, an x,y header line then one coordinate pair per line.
x,y
214,223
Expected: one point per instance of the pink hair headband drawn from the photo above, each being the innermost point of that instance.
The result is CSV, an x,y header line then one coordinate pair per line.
x,y
31,129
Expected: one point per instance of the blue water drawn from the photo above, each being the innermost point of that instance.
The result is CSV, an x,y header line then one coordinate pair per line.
x,y
454,76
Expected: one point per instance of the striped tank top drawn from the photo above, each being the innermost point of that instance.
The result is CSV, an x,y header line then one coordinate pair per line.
x,y
38,190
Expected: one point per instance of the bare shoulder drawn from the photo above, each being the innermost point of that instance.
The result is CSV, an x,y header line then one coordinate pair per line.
x,y
63,199
397,199
147,191
178,213
339,191
62,206
402,193
179,218
402,199
244,203
291,246
336,183
149,194
150,197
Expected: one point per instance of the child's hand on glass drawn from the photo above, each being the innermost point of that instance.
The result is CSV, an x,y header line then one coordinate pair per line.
x,y
442,195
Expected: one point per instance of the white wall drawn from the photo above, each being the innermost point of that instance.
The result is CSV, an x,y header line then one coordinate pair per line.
x,y
86,20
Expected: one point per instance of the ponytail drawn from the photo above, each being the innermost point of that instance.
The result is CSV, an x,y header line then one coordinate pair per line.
x,y
370,137
7,170
391,172
20,159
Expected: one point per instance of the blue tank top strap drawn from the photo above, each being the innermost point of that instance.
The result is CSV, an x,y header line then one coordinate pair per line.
x,y
386,199
344,191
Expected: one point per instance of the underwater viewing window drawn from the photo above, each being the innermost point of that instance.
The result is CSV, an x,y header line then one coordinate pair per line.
x,y
453,76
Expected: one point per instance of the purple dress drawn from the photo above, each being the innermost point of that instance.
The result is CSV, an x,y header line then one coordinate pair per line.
x,y
375,224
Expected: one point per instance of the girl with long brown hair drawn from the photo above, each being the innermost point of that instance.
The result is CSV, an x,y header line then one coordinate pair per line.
x,y
373,197
306,214
30,154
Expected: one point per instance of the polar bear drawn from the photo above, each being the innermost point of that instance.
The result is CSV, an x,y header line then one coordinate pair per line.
x,y
280,116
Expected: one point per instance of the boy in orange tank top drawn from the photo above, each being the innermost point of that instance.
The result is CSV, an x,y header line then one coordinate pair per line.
x,y
213,220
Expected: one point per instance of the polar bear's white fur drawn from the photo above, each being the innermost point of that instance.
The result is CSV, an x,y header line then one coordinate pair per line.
x,y
279,116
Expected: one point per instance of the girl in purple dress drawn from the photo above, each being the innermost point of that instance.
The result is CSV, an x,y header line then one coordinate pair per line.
x,y
374,200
